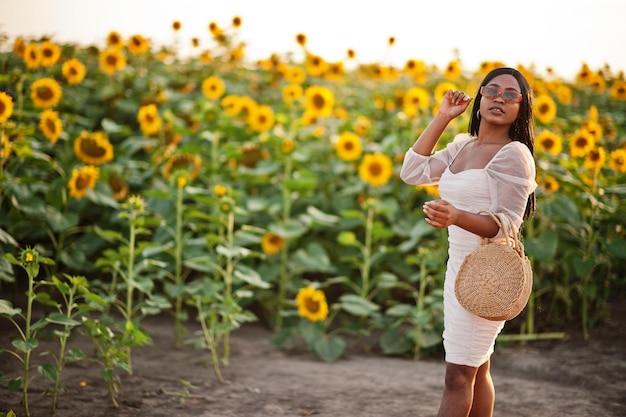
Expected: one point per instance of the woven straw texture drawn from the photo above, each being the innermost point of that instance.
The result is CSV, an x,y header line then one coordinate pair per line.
x,y
495,280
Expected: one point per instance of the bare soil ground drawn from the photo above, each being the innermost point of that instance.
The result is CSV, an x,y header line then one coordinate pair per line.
x,y
571,377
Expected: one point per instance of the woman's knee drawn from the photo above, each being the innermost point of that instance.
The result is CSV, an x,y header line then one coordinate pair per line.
x,y
459,376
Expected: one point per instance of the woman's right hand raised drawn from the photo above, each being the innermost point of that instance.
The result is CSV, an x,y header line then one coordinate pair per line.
x,y
454,103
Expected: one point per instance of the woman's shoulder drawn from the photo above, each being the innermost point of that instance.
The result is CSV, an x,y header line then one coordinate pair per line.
x,y
462,138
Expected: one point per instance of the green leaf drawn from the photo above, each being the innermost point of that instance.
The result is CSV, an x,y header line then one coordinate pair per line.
x,y
74,355
7,308
400,310
58,318
15,385
357,306
543,247
312,258
48,371
310,331
386,281
394,342
234,252
25,345
347,238
329,349
250,276
320,217
292,229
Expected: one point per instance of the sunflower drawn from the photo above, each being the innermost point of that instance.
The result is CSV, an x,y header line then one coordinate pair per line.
x,y
416,97
184,164
74,71
83,179
362,125
112,60
45,92
50,53
598,84
315,65
319,101
138,45
5,149
564,94
176,25
431,190
349,146
237,21
335,71
594,128
93,148
287,146
115,40
261,119
453,70
6,106
595,159
545,108
247,106
295,75
442,88
584,74
50,125
292,92
231,105
549,142
312,304
415,68
617,160
149,120
376,169
271,243
220,190
581,143
301,39
32,56
213,88
19,46
549,184
119,187
618,90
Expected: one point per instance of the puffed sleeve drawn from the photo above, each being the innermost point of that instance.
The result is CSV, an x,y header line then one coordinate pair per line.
x,y
422,170
511,176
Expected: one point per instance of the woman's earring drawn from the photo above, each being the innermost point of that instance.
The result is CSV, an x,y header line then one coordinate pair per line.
x,y
478,114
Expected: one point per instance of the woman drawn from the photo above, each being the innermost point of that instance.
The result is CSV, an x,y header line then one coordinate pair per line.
x,y
491,169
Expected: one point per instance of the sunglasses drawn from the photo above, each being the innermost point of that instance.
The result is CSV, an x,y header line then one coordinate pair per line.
x,y
508,96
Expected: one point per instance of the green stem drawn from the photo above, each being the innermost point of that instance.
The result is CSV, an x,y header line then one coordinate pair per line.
x,y
27,334
208,337
130,285
178,331
367,253
420,305
228,278
530,308
284,273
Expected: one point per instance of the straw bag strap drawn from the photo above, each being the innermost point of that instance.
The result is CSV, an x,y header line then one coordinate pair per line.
x,y
507,231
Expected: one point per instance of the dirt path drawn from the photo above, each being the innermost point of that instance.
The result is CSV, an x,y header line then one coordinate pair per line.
x,y
572,378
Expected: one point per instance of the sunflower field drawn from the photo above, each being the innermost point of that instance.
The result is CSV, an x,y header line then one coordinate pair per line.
x,y
137,182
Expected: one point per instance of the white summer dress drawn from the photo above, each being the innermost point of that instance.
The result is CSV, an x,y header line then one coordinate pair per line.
x,y
503,186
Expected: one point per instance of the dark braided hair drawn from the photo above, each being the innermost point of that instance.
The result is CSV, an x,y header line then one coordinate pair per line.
x,y
522,128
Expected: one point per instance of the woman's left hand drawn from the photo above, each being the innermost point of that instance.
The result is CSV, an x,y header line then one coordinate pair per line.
x,y
440,213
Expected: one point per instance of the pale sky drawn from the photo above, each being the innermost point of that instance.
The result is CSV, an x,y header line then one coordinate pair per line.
x,y
546,33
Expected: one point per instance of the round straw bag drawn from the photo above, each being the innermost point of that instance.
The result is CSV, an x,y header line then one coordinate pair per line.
x,y
495,280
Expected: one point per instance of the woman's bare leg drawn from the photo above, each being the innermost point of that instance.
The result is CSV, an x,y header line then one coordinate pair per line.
x,y
458,393
484,392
